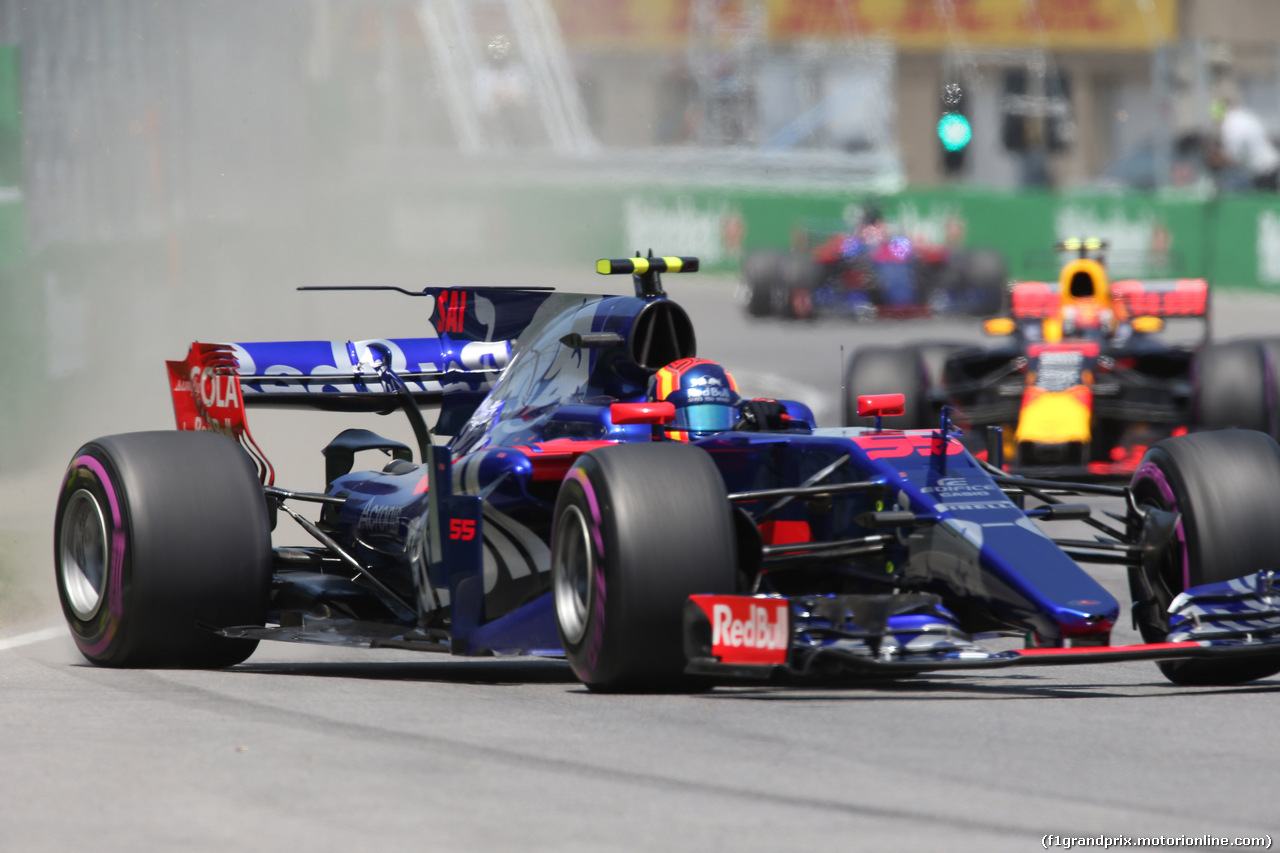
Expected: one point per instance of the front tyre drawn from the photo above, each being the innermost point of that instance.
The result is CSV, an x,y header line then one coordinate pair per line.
x,y
158,535
638,529
1225,486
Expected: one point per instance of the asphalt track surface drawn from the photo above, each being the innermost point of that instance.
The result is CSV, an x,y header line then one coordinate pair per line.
x,y
324,749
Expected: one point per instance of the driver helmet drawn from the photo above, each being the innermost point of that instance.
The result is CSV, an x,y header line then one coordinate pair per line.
x,y
705,396
1085,311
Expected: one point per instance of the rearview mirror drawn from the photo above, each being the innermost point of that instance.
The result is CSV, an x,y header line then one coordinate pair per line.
x,y
877,405
642,413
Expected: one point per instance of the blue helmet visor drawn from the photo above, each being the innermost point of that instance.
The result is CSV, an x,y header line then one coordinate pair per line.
x,y
704,419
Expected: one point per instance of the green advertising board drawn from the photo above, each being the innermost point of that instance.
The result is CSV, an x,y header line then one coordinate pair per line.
x,y
1234,241
13,223
18,304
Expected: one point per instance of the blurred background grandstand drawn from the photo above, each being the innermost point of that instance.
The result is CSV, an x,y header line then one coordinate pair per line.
x,y
188,156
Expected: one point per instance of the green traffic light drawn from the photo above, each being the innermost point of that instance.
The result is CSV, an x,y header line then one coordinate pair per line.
x,y
954,131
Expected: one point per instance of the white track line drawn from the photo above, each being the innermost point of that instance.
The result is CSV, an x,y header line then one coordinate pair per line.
x,y
31,637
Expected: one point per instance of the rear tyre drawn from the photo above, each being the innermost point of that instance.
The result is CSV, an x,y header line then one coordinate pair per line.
x,y
800,277
760,271
1225,486
158,534
890,370
638,529
1233,388
1272,347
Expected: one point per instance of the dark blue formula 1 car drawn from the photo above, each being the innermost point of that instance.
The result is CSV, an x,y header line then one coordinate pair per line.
x,y
609,497
868,273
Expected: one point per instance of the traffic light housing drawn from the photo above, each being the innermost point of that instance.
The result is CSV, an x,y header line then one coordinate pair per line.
x,y
954,132
1021,128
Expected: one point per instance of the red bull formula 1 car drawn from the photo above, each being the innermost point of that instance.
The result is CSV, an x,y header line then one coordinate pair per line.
x,y
1083,379
659,535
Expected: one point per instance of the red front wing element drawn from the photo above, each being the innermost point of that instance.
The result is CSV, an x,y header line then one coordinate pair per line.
x,y
752,630
751,636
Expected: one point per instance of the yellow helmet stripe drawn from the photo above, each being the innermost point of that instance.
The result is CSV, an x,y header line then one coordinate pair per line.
x,y
666,382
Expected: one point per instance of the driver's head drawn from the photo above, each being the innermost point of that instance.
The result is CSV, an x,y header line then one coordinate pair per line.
x,y
1082,286
704,394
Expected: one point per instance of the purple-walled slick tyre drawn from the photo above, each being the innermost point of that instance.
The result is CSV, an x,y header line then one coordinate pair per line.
x,y
158,537
638,529
1225,486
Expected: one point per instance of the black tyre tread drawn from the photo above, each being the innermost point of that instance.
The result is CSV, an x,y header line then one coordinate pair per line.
x,y
668,533
198,550
1233,388
760,272
1272,347
798,272
1226,486
889,370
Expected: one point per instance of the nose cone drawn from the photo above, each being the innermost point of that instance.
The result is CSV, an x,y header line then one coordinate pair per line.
x,y
1032,582
1056,417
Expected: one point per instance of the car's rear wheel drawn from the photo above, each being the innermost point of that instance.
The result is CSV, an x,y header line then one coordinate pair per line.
x,y
1225,487
890,370
638,529
158,536
1272,348
800,301
800,277
760,272
1233,388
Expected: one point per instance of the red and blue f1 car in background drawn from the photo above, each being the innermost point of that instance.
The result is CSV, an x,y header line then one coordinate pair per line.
x,y
558,521
870,273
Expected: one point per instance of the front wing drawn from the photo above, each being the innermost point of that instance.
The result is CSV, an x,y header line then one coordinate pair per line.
x,y
759,637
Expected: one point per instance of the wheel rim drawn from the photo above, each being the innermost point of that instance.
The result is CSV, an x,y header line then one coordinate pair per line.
x,y
82,554
801,303
573,572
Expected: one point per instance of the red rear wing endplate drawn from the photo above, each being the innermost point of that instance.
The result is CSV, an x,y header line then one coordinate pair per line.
x,y
206,396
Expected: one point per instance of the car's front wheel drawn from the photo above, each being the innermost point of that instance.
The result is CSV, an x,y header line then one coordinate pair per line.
x,y
638,529
1225,487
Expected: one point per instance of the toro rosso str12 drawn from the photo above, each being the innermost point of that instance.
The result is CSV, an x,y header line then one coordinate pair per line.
x,y
659,534
1083,376
868,273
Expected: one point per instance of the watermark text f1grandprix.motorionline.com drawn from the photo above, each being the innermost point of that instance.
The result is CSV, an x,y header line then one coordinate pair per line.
x,y
1108,842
